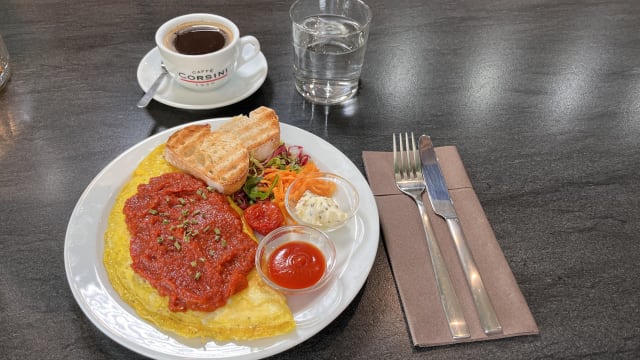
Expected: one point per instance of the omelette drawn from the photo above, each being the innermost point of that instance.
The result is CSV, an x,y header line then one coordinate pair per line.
x,y
256,312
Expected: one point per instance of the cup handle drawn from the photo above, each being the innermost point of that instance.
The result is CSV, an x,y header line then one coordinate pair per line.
x,y
247,42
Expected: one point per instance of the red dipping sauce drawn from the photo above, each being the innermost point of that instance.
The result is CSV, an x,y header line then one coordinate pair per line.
x,y
296,265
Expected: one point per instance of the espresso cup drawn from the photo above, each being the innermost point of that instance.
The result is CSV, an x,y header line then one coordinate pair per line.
x,y
203,51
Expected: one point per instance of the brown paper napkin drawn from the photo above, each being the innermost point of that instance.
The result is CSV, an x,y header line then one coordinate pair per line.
x,y
407,249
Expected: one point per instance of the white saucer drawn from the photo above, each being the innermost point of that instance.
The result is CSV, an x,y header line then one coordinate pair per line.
x,y
244,82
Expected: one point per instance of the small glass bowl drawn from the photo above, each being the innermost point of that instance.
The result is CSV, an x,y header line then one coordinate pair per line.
x,y
295,233
345,196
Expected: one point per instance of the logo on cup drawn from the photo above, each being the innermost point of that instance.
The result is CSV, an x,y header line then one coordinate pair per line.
x,y
203,77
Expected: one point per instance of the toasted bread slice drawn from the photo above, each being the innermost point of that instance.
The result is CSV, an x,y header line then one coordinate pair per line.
x,y
259,132
219,158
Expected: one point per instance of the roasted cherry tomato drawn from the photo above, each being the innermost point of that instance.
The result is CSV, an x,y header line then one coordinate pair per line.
x,y
264,216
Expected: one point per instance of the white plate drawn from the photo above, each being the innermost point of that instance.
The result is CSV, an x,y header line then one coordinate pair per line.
x,y
356,243
242,84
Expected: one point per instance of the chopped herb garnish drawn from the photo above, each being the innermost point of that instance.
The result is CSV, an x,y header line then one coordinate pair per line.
x,y
153,211
177,245
197,275
194,264
160,239
203,194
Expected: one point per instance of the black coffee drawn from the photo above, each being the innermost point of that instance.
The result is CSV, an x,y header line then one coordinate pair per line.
x,y
198,39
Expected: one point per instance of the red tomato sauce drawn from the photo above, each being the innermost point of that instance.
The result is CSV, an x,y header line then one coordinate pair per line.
x,y
296,265
187,242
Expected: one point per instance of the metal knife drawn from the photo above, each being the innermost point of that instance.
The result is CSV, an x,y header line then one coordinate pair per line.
x,y
443,206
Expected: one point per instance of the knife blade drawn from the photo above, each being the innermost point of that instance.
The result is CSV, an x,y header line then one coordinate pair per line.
x,y
443,206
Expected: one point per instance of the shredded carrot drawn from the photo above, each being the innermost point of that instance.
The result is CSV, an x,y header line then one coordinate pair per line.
x,y
280,179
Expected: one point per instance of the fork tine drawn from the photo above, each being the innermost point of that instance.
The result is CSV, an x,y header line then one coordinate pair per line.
x,y
417,168
404,158
396,160
399,158
410,157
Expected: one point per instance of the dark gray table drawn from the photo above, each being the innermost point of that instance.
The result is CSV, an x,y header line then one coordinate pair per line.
x,y
542,98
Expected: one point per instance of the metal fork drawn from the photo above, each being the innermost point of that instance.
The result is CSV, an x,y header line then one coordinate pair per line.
x,y
409,180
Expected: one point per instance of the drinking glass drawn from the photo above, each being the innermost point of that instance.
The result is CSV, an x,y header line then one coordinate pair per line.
x,y
5,69
329,41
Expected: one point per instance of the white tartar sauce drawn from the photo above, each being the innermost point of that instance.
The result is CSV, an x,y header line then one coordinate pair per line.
x,y
319,210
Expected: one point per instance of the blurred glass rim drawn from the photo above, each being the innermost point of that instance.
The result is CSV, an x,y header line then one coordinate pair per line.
x,y
3,48
5,69
333,11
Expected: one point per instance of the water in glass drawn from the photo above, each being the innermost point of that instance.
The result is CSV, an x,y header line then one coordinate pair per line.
x,y
328,56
